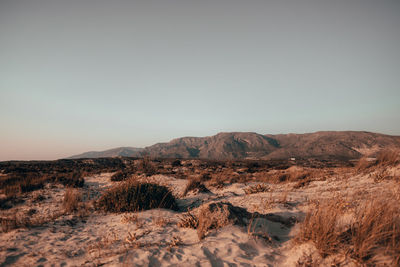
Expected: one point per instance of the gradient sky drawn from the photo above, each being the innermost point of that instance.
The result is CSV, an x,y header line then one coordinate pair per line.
x,y
92,75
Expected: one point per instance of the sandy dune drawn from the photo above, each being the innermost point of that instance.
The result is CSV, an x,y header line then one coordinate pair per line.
x,y
153,238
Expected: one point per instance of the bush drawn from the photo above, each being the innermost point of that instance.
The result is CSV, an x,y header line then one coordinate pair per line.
x,y
72,199
134,196
374,231
195,185
119,176
388,158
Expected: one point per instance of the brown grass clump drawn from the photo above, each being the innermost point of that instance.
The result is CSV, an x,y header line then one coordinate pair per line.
x,y
26,221
384,158
189,220
195,185
218,215
147,167
363,164
72,200
321,226
135,196
119,176
19,183
388,158
258,188
374,231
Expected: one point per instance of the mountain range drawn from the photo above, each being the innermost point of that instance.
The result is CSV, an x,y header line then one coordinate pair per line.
x,y
249,145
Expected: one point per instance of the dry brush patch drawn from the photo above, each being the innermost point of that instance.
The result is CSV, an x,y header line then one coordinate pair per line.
x,y
258,188
72,200
373,231
135,196
195,185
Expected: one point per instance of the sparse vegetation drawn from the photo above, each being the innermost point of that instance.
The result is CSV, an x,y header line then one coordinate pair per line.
x,y
189,220
258,188
375,229
217,215
195,185
72,200
134,196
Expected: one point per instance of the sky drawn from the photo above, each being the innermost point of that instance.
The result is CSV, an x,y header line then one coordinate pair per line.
x,y
87,75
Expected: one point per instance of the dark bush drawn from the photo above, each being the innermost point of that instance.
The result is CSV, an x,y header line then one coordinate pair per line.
x,y
176,163
71,179
119,176
134,196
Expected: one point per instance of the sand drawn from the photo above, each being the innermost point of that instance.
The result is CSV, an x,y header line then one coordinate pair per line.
x,y
153,237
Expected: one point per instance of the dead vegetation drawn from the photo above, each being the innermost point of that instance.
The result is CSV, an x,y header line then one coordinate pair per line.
x,y
195,185
189,220
135,196
258,188
374,230
384,158
19,183
20,220
72,200
217,215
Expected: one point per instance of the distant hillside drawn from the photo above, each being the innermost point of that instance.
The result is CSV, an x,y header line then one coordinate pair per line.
x,y
115,152
243,145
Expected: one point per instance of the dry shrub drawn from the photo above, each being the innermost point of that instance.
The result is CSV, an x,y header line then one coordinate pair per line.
x,y
189,220
14,222
126,218
374,231
26,221
363,164
147,167
258,188
195,185
321,227
388,158
135,196
161,221
294,174
72,200
119,176
218,215
384,158
18,183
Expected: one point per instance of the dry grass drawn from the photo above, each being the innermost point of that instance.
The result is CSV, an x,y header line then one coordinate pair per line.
x,y
321,226
258,188
119,176
18,183
147,167
161,221
217,215
19,220
195,185
388,158
135,196
384,158
72,200
188,220
375,230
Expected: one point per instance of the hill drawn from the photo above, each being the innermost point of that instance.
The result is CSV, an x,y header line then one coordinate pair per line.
x,y
111,153
248,145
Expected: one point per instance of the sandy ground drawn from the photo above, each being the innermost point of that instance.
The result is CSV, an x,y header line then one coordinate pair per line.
x,y
153,238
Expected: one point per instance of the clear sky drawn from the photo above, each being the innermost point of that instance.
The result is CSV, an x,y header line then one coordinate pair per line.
x,y
92,75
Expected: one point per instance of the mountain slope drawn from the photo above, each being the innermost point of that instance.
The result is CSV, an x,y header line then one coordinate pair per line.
x,y
115,152
246,145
